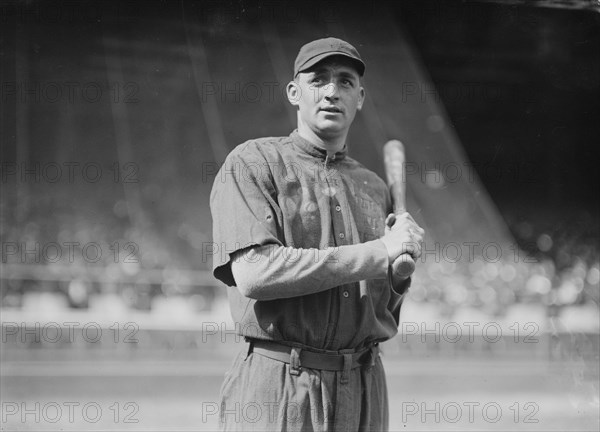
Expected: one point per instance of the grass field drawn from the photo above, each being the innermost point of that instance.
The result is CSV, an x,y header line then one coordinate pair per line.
x,y
431,395
169,379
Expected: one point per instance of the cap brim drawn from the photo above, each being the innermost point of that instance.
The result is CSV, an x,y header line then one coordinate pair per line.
x,y
360,65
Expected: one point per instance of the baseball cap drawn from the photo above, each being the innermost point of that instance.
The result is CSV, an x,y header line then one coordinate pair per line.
x,y
317,50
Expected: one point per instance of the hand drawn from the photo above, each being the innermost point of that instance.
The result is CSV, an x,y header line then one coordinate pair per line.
x,y
402,235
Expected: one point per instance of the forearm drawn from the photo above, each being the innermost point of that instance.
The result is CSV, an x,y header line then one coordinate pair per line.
x,y
271,272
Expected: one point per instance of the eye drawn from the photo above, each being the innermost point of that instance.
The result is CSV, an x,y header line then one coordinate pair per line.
x,y
347,82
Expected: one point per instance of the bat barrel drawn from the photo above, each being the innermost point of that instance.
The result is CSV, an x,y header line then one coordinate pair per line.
x,y
397,191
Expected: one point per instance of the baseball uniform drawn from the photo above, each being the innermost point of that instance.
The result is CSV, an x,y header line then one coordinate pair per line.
x,y
314,221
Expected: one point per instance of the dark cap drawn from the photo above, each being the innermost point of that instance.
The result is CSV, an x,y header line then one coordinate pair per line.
x,y
317,50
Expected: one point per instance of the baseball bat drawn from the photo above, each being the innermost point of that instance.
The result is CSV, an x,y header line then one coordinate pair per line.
x,y
393,159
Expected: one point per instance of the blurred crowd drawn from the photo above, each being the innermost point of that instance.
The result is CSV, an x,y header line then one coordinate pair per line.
x,y
84,251
136,261
552,264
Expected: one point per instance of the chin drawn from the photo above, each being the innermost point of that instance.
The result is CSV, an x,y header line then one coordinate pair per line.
x,y
330,128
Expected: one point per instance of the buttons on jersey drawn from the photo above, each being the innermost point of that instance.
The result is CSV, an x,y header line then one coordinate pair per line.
x,y
338,208
346,294
342,236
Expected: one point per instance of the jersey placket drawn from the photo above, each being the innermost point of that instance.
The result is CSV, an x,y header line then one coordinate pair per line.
x,y
341,235
334,185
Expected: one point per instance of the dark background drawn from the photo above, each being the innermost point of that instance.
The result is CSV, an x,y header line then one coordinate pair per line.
x,y
540,68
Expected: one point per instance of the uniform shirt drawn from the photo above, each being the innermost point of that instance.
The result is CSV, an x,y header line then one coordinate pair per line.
x,y
286,193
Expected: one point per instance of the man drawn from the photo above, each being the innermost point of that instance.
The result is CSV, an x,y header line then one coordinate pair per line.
x,y
307,254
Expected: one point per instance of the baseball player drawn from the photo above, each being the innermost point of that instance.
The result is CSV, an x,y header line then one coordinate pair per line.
x,y
307,236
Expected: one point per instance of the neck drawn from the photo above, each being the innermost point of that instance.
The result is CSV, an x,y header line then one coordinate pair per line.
x,y
330,144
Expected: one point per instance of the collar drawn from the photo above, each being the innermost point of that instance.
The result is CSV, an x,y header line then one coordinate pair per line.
x,y
314,150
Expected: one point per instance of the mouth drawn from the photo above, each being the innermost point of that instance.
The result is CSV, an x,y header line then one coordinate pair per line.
x,y
331,109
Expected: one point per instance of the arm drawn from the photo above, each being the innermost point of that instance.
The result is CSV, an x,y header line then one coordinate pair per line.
x,y
272,271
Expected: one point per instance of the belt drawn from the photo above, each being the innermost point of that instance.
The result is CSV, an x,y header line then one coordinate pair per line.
x,y
297,357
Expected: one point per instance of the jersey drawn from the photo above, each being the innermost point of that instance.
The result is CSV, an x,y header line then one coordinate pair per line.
x,y
286,191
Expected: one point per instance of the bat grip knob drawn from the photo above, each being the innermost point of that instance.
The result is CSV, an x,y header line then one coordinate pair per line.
x,y
403,267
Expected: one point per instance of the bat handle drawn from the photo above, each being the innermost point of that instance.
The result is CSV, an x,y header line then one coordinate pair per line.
x,y
403,267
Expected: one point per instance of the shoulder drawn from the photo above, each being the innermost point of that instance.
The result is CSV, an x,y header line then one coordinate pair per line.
x,y
265,148
250,163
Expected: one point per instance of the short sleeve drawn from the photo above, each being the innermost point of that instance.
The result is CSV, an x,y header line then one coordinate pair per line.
x,y
244,209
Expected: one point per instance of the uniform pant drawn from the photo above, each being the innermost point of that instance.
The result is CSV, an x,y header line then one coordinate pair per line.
x,y
259,394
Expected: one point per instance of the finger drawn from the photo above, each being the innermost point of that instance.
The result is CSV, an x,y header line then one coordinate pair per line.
x,y
419,246
409,219
417,232
401,219
416,228
414,249
415,225
411,249
418,250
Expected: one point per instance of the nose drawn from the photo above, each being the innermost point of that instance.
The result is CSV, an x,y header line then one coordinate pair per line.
x,y
331,91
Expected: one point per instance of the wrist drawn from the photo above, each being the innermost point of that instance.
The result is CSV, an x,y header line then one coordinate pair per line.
x,y
388,250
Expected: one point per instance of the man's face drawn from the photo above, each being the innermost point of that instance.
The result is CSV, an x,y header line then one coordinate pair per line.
x,y
327,96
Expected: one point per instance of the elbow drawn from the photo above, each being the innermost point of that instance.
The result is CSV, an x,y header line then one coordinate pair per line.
x,y
244,279
254,279
248,290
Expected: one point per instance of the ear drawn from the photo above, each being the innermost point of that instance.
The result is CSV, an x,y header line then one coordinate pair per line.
x,y
361,98
293,92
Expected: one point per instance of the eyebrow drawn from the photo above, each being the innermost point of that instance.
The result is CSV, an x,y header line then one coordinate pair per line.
x,y
348,75
343,74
